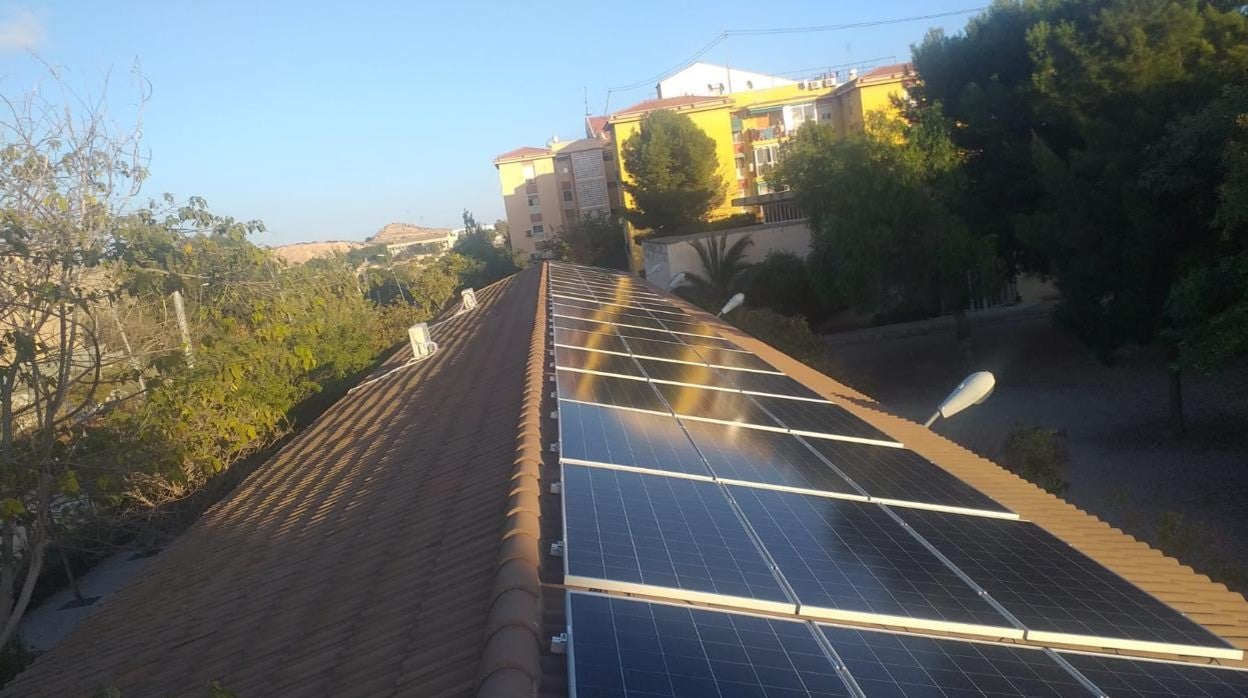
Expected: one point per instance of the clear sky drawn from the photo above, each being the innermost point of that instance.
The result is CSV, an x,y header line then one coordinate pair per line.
x,y
327,120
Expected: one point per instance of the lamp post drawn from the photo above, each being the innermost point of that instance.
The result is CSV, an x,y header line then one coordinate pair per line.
x,y
972,391
731,304
676,281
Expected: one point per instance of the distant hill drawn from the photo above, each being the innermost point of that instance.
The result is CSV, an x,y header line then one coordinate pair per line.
x,y
406,232
301,252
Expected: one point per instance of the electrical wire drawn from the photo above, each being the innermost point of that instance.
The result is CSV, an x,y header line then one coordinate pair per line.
x,y
415,359
720,37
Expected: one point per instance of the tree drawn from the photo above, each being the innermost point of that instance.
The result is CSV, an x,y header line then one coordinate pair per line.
x,y
884,235
597,240
675,181
491,262
1123,74
723,265
64,179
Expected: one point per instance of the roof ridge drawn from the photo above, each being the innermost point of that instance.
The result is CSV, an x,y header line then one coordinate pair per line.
x,y
511,661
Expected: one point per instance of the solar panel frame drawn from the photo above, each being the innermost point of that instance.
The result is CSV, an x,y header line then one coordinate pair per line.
x,y
663,351
901,477
611,391
1060,595
1126,677
770,384
851,561
718,406
597,362
761,458
739,360
668,537
601,436
825,420
591,341
904,664
622,648
681,373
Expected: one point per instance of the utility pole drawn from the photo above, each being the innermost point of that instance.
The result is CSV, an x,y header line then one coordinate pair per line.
x,y
125,342
180,310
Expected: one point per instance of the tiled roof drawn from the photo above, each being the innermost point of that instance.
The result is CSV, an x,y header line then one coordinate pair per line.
x,y
895,70
395,547
389,549
594,126
650,105
521,153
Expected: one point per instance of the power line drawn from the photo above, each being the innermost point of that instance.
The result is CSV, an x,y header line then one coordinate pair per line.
x,y
720,37
851,64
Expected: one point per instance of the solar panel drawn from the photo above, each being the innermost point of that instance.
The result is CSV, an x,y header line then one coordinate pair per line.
x,y
1059,594
770,384
583,325
568,358
689,327
664,350
609,390
672,372
594,341
716,406
596,435
850,560
709,342
1116,677
765,459
581,297
733,359
643,333
822,419
618,318
894,664
623,648
663,536
901,476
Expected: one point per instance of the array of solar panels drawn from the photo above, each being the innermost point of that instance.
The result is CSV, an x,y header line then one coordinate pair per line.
x,y
694,470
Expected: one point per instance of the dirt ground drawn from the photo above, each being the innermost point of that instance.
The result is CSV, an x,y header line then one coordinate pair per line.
x,y
1123,467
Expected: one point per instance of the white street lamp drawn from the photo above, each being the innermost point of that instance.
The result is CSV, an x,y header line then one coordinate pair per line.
x,y
732,304
676,281
972,391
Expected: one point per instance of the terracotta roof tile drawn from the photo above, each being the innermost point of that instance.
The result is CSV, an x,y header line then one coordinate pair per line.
x,y
365,558
667,103
521,153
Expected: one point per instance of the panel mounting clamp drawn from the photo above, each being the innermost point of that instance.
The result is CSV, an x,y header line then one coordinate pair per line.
x,y
556,548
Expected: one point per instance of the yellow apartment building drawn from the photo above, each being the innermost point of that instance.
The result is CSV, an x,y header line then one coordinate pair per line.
x,y
546,188
748,127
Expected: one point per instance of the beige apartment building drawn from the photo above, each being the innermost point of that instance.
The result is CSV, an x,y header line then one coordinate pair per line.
x,y
544,189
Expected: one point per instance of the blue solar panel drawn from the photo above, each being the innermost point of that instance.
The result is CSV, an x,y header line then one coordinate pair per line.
x,y
595,341
765,459
715,405
609,390
567,358
892,664
1058,593
821,420
663,536
622,648
1137,678
603,435
850,560
903,476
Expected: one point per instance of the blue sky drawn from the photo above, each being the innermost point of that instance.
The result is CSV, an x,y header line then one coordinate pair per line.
x,y
328,120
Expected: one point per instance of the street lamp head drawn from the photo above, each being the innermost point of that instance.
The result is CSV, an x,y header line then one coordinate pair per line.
x,y
972,391
676,281
732,304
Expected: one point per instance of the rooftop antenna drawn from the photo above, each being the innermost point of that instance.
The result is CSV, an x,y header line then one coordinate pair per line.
x,y
585,93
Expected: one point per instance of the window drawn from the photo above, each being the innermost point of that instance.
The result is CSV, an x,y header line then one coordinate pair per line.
x,y
564,168
740,164
606,156
534,201
567,194
529,174
538,231
766,154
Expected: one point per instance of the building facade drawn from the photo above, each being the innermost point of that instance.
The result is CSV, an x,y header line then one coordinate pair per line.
x,y
544,189
710,80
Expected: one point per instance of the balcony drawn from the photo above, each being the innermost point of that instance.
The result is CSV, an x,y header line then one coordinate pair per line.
x,y
767,134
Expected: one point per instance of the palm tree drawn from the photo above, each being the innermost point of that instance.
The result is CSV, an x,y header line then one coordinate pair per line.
x,y
724,266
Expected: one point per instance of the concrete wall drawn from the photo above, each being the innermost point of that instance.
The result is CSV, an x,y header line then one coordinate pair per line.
x,y
666,257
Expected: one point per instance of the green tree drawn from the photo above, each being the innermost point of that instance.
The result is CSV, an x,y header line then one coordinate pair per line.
x,y
1124,74
491,262
884,235
597,240
674,172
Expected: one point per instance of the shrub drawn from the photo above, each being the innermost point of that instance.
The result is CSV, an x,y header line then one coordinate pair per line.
x,y
780,283
1039,456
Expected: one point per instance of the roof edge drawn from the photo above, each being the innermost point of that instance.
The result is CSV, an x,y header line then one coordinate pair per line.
x,y
511,659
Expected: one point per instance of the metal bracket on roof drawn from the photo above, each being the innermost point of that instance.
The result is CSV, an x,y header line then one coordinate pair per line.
x,y
554,446
556,488
556,548
559,644
554,394
554,414
552,378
